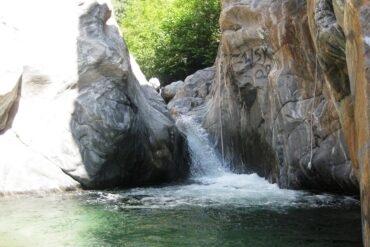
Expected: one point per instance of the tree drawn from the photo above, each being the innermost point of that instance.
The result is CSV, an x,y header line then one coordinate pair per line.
x,y
171,38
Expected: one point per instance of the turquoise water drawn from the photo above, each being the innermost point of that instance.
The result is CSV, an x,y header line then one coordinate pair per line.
x,y
215,207
200,213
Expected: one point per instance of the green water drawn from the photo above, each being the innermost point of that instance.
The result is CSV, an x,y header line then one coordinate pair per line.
x,y
182,215
215,207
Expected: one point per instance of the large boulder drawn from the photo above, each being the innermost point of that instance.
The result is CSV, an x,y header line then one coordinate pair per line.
x,y
124,135
168,92
22,168
83,113
271,111
190,97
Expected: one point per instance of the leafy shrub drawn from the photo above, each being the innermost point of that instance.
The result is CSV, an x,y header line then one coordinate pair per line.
x,y
170,38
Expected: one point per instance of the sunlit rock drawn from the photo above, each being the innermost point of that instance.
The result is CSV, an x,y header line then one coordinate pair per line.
x,y
190,97
11,69
169,91
271,111
83,113
154,82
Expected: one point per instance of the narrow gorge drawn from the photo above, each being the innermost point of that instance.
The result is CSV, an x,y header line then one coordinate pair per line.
x,y
268,147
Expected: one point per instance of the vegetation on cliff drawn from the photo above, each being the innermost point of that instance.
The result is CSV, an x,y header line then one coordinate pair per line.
x,y
170,38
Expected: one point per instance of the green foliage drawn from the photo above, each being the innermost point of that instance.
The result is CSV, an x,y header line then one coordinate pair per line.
x,y
119,9
171,38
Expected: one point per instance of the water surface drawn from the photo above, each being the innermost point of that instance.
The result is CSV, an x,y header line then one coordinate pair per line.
x,y
211,214
215,207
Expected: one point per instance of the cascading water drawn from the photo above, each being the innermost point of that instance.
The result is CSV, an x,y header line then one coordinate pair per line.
x,y
211,183
215,207
206,162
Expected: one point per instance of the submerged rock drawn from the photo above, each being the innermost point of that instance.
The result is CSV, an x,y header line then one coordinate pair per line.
x,y
83,113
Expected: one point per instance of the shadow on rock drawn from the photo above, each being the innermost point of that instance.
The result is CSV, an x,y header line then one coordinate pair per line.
x,y
123,130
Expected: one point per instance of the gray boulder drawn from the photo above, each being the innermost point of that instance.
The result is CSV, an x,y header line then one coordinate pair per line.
x,y
84,118
190,97
123,131
169,91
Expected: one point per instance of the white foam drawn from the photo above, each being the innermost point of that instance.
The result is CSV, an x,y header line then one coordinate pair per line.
x,y
367,40
212,184
205,159
228,190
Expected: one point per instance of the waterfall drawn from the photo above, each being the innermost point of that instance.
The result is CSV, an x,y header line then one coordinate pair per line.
x,y
206,161
211,183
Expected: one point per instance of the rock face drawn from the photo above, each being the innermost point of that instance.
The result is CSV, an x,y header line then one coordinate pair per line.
x,y
271,111
8,96
357,32
22,168
191,96
123,134
342,42
290,94
11,71
168,92
84,115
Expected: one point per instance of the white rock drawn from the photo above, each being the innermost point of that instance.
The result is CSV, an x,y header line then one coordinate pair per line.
x,y
82,110
154,82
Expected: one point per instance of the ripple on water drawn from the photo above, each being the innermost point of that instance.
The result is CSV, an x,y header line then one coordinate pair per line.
x,y
229,189
229,211
214,208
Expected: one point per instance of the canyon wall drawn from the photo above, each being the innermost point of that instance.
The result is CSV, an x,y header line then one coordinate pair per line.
x,y
289,100
341,31
357,30
271,111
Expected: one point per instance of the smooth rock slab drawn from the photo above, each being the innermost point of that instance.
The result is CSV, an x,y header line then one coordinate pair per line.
x,y
83,117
